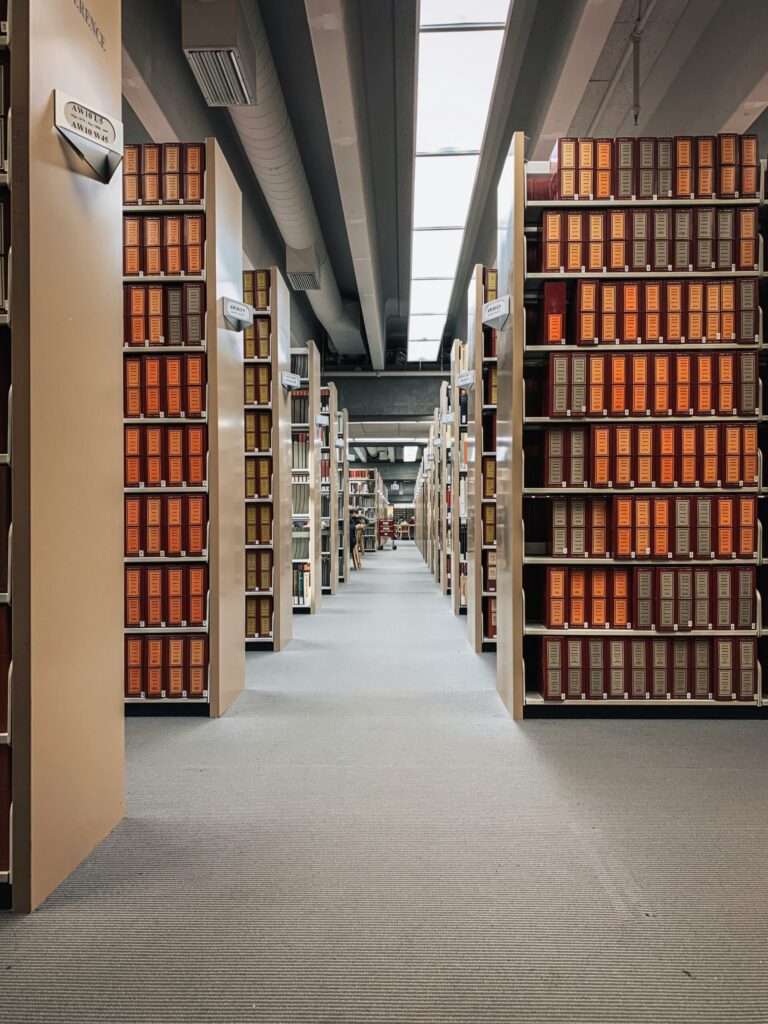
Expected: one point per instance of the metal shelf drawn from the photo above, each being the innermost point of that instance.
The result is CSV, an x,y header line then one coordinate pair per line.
x,y
145,559
556,204
164,279
635,346
176,489
165,421
5,739
164,208
559,421
537,629
163,350
168,700
628,275
129,630
554,492
534,698
259,501
259,593
628,563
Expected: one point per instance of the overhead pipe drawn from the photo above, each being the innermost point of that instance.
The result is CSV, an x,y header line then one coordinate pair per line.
x,y
270,145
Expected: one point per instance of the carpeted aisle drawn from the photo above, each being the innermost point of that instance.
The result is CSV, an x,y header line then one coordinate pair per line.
x,y
367,837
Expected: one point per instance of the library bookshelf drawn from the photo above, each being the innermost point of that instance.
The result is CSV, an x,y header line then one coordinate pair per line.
x,y
366,492
446,454
481,466
267,456
635,578
459,468
425,501
61,640
306,445
342,500
183,430
329,488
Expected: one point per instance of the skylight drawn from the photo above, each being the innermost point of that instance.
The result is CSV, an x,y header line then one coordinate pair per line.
x,y
459,46
463,12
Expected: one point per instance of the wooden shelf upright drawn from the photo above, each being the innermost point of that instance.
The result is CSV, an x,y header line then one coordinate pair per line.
x,y
61,638
481,466
669,541
458,428
185,587
305,486
268,522
329,485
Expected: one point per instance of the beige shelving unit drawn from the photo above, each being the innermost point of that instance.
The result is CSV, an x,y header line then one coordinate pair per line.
x,y
224,420
61,720
342,494
481,459
446,452
420,505
269,604
459,470
329,486
521,503
306,525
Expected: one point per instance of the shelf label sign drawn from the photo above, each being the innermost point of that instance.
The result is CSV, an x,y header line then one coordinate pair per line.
x,y
466,379
448,418
95,137
290,381
495,313
430,457
322,419
339,442
237,315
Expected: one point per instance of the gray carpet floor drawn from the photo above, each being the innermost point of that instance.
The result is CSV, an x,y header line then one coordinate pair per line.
x,y
367,837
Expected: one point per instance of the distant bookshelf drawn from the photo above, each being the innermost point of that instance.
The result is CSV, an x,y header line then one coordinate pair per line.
x,y
268,567
307,424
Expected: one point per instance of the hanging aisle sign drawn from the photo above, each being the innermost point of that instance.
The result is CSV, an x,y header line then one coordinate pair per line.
x,y
495,313
237,314
95,137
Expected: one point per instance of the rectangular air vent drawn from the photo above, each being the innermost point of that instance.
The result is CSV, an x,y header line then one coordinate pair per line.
x,y
219,74
303,282
219,46
302,269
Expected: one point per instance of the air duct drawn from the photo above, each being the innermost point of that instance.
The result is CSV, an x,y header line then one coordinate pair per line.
x,y
270,145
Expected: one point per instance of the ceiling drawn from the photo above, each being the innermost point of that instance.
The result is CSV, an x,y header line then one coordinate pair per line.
x,y
383,37
564,69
